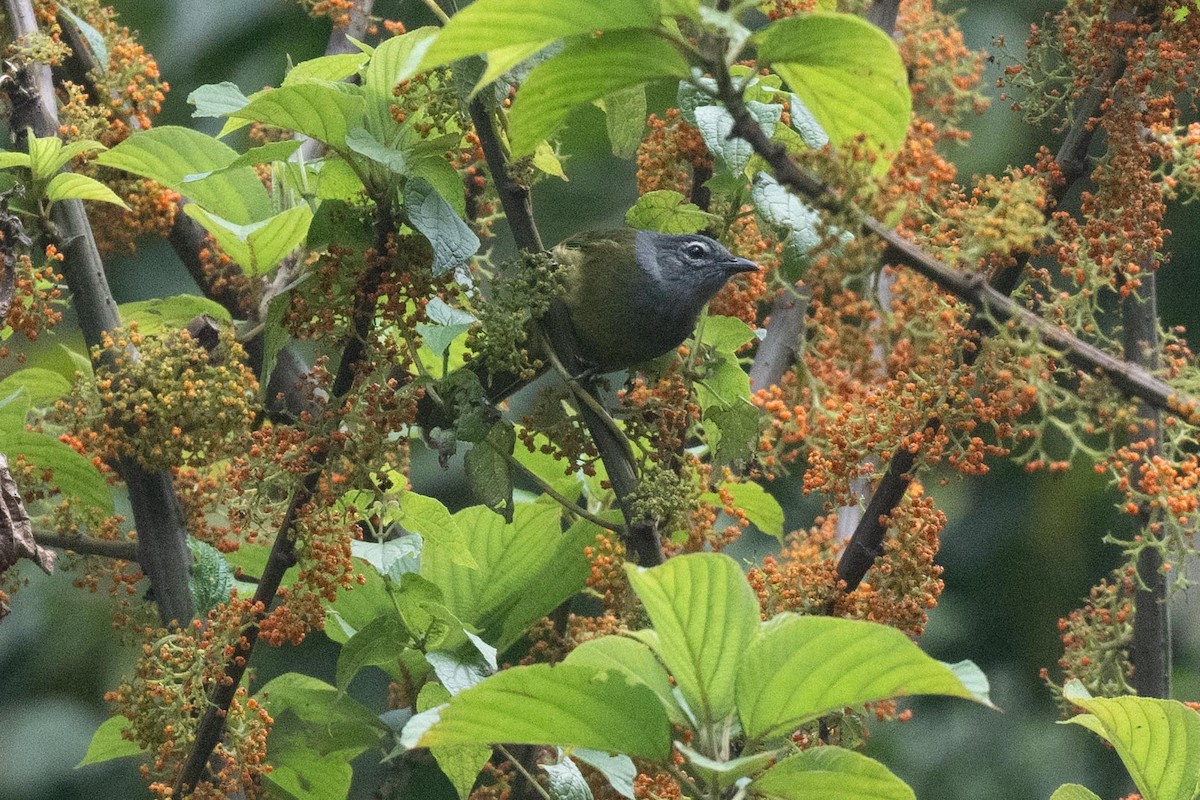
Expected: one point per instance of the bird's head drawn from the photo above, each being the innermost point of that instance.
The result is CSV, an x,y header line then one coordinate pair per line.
x,y
690,268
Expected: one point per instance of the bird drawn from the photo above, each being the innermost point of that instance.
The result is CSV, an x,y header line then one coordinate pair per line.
x,y
628,296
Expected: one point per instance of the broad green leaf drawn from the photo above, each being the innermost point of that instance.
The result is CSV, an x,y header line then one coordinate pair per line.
x,y
502,59
8,160
74,475
259,246
444,539
525,569
336,67
458,673
1157,740
723,774
322,111
680,8
488,472
170,313
263,154
565,781
847,72
452,240
635,659
302,772
94,38
488,25
396,59
169,154
667,211
108,743
354,609
393,558
800,668
625,119
379,644
1073,791
705,615
726,334
783,210
619,770
42,386
58,157
461,763
444,178
73,186
761,509
830,773
588,69
217,99
211,580
340,723
724,383
568,705
732,153
446,324
361,141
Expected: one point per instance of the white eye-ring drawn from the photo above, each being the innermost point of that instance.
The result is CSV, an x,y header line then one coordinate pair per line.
x,y
696,250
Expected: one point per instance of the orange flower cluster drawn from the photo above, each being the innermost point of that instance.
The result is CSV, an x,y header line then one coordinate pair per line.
x,y
670,154
36,298
1096,639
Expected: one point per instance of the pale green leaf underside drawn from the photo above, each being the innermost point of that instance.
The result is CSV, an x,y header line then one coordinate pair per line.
x,y
830,773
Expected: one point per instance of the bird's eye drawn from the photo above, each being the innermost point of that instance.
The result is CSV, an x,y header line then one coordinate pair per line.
x,y
696,250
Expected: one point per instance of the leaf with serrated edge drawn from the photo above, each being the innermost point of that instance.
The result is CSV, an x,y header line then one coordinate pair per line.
x,y
667,211
324,111
802,667
488,25
831,773
568,705
587,69
636,660
705,615
846,71
1157,740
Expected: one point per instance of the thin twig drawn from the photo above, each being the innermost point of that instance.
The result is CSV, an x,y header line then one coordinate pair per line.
x,y
89,546
569,506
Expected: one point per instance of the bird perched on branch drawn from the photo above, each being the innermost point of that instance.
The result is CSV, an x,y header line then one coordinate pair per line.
x,y
627,296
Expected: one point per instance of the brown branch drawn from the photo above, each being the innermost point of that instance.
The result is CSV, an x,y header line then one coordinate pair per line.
x,y
89,546
162,534
781,344
282,557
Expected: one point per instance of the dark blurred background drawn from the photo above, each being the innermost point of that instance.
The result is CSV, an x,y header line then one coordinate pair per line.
x,y
1019,552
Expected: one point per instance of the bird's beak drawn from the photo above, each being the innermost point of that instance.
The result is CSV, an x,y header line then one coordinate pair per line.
x,y
735,265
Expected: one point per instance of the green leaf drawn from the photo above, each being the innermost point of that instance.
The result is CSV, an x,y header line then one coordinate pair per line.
x,y
846,71
547,467
72,186
394,60
452,240
567,705
354,609
441,533
41,385
302,772
217,99
488,25
54,154
565,781
546,160
587,69
336,67
211,580
94,38
784,211
502,59
488,472
625,120
726,334
340,724
667,211
830,773
379,644
723,774
169,154
525,569
170,313
1157,740
74,475
732,153
108,743
805,124
705,615
8,160
731,431
361,141
446,324
263,154
800,668
636,660
619,771
461,763
761,508
257,247
323,111
1073,791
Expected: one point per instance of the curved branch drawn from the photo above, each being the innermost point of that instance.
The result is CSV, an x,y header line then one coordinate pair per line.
x,y
162,535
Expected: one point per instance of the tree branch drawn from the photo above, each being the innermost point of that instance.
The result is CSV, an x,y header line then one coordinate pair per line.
x,y
162,535
89,546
